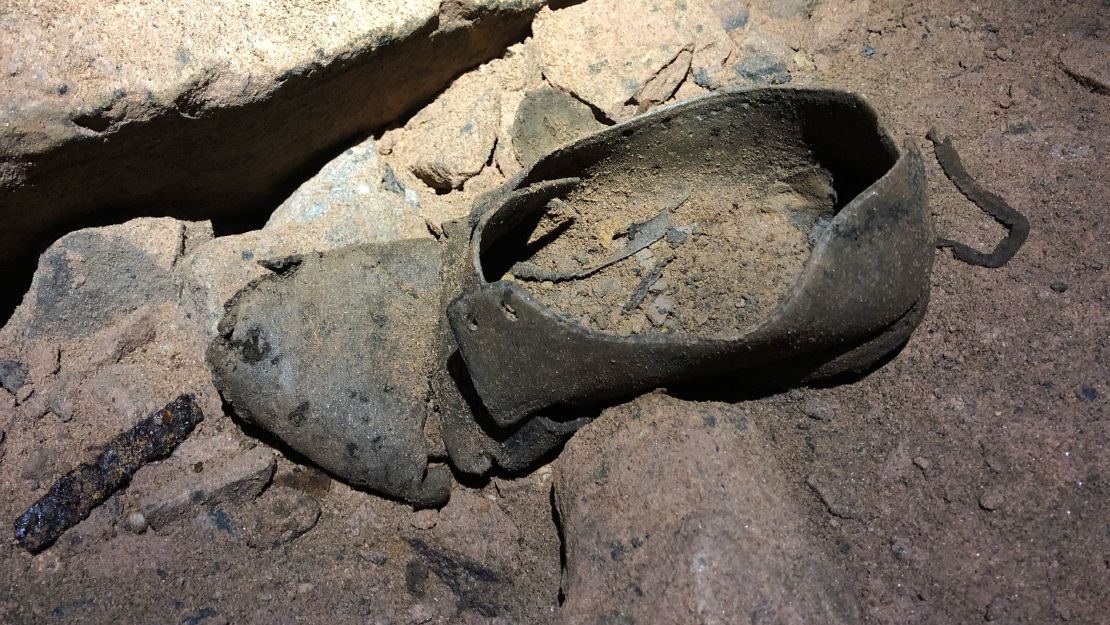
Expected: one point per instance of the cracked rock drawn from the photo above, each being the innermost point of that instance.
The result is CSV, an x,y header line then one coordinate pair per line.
x,y
621,66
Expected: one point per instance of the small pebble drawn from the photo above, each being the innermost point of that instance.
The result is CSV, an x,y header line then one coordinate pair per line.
x,y
425,519
1059,287
869,52
136,522
991,500
900,548
819,409
1004,54
1089,393
922,463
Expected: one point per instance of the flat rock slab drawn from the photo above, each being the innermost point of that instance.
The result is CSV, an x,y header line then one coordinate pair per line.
x,y
673,512
331,353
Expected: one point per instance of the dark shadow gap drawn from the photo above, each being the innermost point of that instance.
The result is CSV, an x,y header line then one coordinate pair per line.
x,y
234,165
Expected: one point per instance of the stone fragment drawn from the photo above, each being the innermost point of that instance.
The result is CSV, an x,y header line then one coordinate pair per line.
x,y
992,500
547,119
621,56
91,277
1087,61
281,515
227,475
819,408
332,352
669,510
13,375
356,198
452,138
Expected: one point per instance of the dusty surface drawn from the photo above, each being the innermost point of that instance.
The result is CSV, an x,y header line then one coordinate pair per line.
x,y
963,482
761,227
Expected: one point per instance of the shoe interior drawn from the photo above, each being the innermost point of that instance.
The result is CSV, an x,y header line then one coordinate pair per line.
x,y
695,219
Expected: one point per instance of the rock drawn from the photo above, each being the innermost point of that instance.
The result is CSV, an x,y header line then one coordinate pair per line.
x,y
665,516
623,56
91,277
424,519
1087,61
281,515
211,114
547,119
452,138
819,409
763,61
136,522
787,8
227,475
837,495
900,548
13,375
992,500
332,353
354,199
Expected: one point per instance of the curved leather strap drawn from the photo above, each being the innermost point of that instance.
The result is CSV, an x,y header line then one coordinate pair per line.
x,y
990,203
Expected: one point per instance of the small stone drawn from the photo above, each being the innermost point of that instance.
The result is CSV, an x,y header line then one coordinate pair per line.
x,y
136,522
39,466
819,409
1004,54
13,375
1087,61
424,519
677,236
991,500
922,463
281,515
168,491
7,401
24,393
377,558
1059,287
900,548
1089,393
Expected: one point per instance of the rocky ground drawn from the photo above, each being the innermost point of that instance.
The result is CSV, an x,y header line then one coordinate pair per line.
x,y
967,480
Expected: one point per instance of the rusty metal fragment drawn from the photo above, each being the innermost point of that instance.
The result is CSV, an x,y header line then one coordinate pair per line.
x,y
73,497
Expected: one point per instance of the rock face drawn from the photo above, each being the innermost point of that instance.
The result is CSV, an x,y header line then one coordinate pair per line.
x,y
659,484
196,112
331,354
